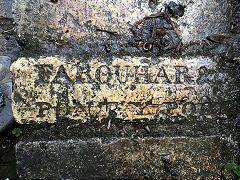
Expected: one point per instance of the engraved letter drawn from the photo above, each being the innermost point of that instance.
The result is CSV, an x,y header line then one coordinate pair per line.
x,y
61,76
142,74
103,74
83,75
44,73
43,107
162,74
123,73
182,71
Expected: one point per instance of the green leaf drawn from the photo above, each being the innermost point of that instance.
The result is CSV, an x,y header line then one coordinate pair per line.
x,y
233,167
237,171
16,132
230,166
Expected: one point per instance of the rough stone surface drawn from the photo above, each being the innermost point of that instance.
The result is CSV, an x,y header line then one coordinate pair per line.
x,y
8,44
6,115
157,158
109,82
81,18
72,28
5,81
6,8
126,88
1,99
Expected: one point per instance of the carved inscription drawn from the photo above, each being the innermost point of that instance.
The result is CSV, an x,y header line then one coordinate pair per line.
x,y
129,88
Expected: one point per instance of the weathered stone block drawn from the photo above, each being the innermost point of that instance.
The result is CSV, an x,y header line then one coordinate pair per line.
x,y
8,44
76,28
78,19
6,115
126,88
155,158
6,8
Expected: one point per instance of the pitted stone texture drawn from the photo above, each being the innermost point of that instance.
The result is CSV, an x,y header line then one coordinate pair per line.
x,y
78,20
8,44
154,158
6,8
5,81
6,115
1,99
4,69
126,88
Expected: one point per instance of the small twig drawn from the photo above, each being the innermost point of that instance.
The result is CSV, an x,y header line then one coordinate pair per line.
x,y
153,33
99,129
8,31
106,31
167,18
164,154
72,126
179,46
150,41
206,41
109,124
173,25
228,50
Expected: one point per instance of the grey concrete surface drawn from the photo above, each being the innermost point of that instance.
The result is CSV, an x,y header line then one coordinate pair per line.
x,y
6,115
154,158
6,8
72,29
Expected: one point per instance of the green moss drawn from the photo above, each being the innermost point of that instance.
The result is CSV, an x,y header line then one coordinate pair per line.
x,y
23,52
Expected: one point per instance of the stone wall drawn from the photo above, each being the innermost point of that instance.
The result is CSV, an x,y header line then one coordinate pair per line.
x,y
124,89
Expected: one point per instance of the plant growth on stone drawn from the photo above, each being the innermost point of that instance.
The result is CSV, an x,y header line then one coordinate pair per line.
x,y
17,132
232,168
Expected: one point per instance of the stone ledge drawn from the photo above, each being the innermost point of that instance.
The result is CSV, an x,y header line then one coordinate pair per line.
x,y
159,158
